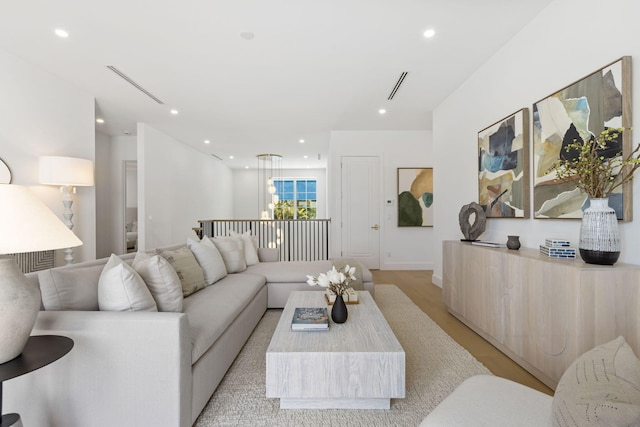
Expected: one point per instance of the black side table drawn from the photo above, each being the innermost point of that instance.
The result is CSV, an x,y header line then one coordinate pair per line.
x,y
39,351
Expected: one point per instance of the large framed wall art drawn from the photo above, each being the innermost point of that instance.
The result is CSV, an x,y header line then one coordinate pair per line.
x,y
415,197
575,113
503,167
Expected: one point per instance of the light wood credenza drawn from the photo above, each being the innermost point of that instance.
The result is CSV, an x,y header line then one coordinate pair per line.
x,y
541,312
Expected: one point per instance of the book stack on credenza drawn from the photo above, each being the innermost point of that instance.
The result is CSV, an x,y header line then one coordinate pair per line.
x,y
557,248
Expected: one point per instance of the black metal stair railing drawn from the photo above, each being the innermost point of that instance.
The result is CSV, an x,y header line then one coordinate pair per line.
x,y
296,240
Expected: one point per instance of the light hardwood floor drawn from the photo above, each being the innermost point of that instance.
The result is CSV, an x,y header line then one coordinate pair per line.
x,y
418,286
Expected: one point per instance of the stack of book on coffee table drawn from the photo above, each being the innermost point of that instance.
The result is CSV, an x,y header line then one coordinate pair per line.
x,y
310,319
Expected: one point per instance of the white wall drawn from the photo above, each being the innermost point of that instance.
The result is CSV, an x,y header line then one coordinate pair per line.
x,y
177,186
565,42
42,115
246,191
401,248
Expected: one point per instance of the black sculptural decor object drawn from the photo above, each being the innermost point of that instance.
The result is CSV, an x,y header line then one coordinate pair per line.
x,y
513,242
470,231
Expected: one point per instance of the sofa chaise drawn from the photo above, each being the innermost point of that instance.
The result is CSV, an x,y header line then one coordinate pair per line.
x,y
143,367
600,388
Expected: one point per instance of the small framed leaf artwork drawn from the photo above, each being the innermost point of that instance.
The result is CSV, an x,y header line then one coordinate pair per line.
x,y
503,167
415,197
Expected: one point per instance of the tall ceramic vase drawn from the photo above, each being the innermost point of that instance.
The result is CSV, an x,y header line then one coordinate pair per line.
x,y
599,234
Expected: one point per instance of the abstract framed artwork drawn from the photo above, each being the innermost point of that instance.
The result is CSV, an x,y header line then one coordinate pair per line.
x,y
415,197
577,112
503,167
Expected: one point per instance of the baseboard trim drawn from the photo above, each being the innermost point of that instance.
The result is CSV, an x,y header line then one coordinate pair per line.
x,y
436,280
406,266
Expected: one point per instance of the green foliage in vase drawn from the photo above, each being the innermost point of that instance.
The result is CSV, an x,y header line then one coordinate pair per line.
x,y
596,174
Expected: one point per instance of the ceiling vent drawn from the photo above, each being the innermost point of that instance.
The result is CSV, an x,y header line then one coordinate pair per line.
x,y
397,86
134,84
216,157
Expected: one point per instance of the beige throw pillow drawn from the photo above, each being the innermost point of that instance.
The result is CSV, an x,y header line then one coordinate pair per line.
x,y
209,259
120,288
161,279
232,253
601,388
188,270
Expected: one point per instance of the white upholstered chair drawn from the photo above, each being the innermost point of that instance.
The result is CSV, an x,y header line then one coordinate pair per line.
x,y
600,388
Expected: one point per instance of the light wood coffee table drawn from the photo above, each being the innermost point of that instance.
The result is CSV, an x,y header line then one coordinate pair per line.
x,y
355,365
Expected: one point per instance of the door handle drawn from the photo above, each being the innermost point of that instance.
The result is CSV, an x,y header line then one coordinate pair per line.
x,y
376,227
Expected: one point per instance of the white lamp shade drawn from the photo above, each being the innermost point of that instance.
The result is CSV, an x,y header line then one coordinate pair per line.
x,y
56,170
28,225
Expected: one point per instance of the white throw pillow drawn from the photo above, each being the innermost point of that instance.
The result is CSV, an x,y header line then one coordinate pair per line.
x,y
73,288
600,388
209,259
248,245
120,288
161,279
232,253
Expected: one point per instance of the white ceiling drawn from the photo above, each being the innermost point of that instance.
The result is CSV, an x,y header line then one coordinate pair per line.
x,y
313,66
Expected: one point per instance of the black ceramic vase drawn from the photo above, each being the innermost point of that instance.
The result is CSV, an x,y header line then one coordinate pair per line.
x,y
513,242
339,311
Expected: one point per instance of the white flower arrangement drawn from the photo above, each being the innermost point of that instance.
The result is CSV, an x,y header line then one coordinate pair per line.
x,y
337,281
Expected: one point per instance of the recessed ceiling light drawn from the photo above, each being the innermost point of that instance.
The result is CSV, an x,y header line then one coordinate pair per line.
x,y
247,35
99,120
174,112
382,111
306,157
231,157
429,33
206,141
246,167
301,141
61,33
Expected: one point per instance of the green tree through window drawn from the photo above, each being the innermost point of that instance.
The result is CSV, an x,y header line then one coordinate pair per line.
x,y
297,198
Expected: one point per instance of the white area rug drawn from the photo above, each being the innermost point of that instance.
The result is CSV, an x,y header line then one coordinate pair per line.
x,y
435,364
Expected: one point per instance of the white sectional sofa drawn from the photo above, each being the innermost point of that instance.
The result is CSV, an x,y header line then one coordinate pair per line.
x,y
144,368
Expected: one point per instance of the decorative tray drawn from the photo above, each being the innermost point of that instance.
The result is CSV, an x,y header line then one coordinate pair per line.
x,y
326,297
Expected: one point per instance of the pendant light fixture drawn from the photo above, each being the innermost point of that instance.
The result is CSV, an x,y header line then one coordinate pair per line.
x,y
269,171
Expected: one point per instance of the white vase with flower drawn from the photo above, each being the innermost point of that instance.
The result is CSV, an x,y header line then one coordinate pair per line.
x,y
598,176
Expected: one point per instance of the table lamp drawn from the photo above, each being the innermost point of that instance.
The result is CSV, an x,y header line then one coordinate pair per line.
x,y
68,173
26,225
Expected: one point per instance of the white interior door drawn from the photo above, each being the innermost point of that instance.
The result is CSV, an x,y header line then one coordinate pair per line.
x,y
360,209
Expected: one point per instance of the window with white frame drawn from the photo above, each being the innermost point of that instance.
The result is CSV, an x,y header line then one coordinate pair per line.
x,y
297,198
